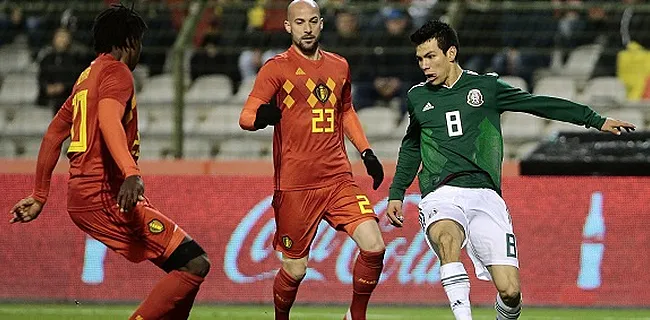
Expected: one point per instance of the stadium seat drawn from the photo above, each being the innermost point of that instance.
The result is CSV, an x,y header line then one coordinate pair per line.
x,y
198,148
519,127
209,89
377,121
244,90
515,81
604,91
244,149
161,121
387,150
581,61
28,147
556,86
14,59
19,88
557,126
158,89
28,121
525,149
154,148
632,115
7,148
224,121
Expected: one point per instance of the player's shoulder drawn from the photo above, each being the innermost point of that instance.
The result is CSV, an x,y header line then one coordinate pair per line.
x,y
335,57
278,59
112,68
489,76
416,88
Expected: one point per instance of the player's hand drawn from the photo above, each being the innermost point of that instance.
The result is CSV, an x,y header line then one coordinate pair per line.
x,y
373,167
394,213
267,114
26,210
616,126
131,192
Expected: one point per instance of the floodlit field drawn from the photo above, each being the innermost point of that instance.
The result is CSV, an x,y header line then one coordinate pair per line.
x,y
254,312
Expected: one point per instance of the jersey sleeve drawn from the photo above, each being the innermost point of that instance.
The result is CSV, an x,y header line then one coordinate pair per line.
x,y
509,98
116,83
409,158
48,154
267,82
110,112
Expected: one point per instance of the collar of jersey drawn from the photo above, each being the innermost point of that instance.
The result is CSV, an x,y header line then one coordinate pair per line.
x,y
315,63
462,72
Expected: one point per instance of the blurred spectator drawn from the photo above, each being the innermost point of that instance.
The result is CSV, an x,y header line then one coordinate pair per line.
x,y
393,64
59,66
348,41
527,38
159,37
578,25
265,36
12,23
213,58
479,33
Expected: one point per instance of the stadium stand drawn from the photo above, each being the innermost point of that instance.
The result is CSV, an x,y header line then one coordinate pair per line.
x,y
578,68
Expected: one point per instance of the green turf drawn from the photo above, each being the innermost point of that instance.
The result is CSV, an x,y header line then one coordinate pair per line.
x,y
103,312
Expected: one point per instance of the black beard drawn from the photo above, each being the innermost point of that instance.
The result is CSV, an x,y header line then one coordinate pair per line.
x,y
308,51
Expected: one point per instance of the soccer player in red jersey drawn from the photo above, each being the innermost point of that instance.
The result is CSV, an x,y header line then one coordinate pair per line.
x,y
313,177
105,190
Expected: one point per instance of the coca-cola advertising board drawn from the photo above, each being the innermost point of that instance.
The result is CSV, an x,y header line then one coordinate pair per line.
x,y
581,241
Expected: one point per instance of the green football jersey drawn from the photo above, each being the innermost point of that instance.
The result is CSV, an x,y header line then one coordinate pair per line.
x,y
455,132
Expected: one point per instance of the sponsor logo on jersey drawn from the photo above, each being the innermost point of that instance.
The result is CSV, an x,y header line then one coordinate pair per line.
x,y
475,98
287,242
428,107
155,226
322,92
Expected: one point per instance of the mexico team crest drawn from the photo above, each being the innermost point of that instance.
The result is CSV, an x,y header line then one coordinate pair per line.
x,y
287,242
475,98
322,92
155,226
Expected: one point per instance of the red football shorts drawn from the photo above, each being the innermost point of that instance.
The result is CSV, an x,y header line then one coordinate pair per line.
x,y
297,214
142,234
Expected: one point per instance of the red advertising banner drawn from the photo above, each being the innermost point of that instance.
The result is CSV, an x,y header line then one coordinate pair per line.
x,y
581,241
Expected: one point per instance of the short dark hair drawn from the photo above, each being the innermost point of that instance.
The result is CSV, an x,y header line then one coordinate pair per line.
x,y
444,34
117,27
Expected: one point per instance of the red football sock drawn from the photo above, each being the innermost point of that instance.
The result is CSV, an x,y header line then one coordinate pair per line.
x,y
285,288
367,270
171,298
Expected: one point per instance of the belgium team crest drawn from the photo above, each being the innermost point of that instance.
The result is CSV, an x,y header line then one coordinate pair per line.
x,y
155,226
475,98
322,92
287,242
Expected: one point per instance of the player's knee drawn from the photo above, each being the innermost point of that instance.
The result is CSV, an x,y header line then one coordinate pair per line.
x,y
296,268
511,294
199,266
376,246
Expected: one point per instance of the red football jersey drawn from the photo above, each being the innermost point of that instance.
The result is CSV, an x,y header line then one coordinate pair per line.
x,y
308,143
95,178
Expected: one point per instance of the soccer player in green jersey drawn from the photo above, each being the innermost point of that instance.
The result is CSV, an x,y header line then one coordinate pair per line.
x,y
455,134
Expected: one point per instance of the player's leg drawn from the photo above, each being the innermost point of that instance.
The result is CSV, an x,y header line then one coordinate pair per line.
x,y
186,268
492,247
444,222
145,234
508,302
351,211
297,215
171,249
286,283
